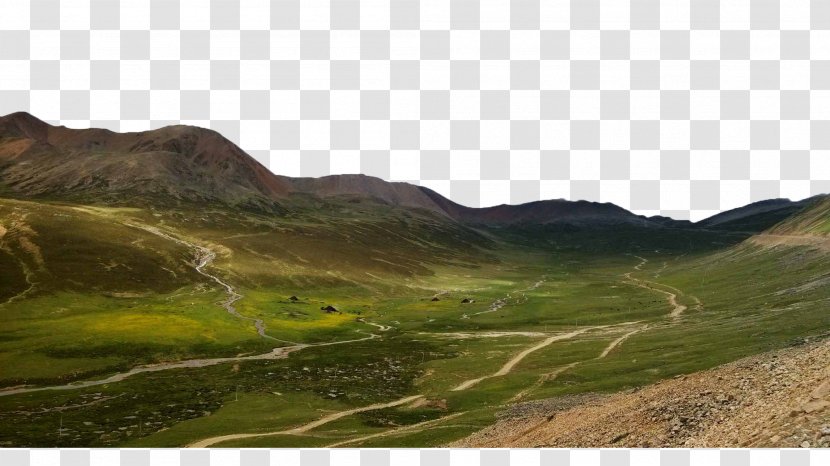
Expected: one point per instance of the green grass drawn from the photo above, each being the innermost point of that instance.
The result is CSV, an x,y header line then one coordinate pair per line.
x,y
101,306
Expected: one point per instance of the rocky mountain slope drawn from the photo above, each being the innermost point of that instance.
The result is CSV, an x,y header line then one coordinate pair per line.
x,y
779,399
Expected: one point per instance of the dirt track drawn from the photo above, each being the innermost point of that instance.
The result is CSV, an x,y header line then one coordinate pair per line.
x,y
508,366
205,257
559,370
677,308
305,427
277,353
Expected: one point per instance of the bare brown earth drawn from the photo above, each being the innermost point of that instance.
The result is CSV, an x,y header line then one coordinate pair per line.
x,y
777,399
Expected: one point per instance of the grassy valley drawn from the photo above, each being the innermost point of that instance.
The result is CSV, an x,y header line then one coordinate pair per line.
x,y
308,313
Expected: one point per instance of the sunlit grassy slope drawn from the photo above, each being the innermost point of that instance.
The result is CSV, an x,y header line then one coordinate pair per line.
x,y
815,220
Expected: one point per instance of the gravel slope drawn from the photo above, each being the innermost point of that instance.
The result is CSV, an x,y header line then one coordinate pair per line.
x,y
776,399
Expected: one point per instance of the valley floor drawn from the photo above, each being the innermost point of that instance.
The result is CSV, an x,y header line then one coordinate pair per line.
x,y
778,399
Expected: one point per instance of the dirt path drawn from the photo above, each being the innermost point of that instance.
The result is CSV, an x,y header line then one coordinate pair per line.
x,y
276,353
19,229
558,371
204,257
509,365
505,369
465,335
501,302
398,430
305,427
550,376
677,308
619,341
381,327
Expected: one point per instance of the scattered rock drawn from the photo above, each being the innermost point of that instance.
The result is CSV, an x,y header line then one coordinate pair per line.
x,y
293,298
814,406
822,391
330,309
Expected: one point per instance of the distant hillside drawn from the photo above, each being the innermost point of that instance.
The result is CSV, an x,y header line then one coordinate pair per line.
x,y
755,217
196,165
362,186
185,163
812,220
175,162
540,212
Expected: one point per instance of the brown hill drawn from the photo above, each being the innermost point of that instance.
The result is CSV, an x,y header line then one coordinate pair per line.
x,y
539,212
179,162
186,163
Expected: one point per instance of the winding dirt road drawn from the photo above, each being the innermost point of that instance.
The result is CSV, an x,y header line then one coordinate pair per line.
x,y
204,257
677,308
19,226
305,427
559,370
509,365
398,430
277,353
501,302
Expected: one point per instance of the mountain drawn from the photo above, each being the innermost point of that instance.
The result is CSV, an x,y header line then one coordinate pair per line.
x,y
190,164
178,162
539,212
754,217
362,186
186,163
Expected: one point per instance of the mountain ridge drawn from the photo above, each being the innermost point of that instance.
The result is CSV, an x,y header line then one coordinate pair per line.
x,y
189,163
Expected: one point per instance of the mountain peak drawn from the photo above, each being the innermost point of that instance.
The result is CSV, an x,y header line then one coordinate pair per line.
x,y
174,162
24,125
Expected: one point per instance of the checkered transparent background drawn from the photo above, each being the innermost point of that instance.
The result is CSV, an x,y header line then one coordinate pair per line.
x,y
679,107
414,457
